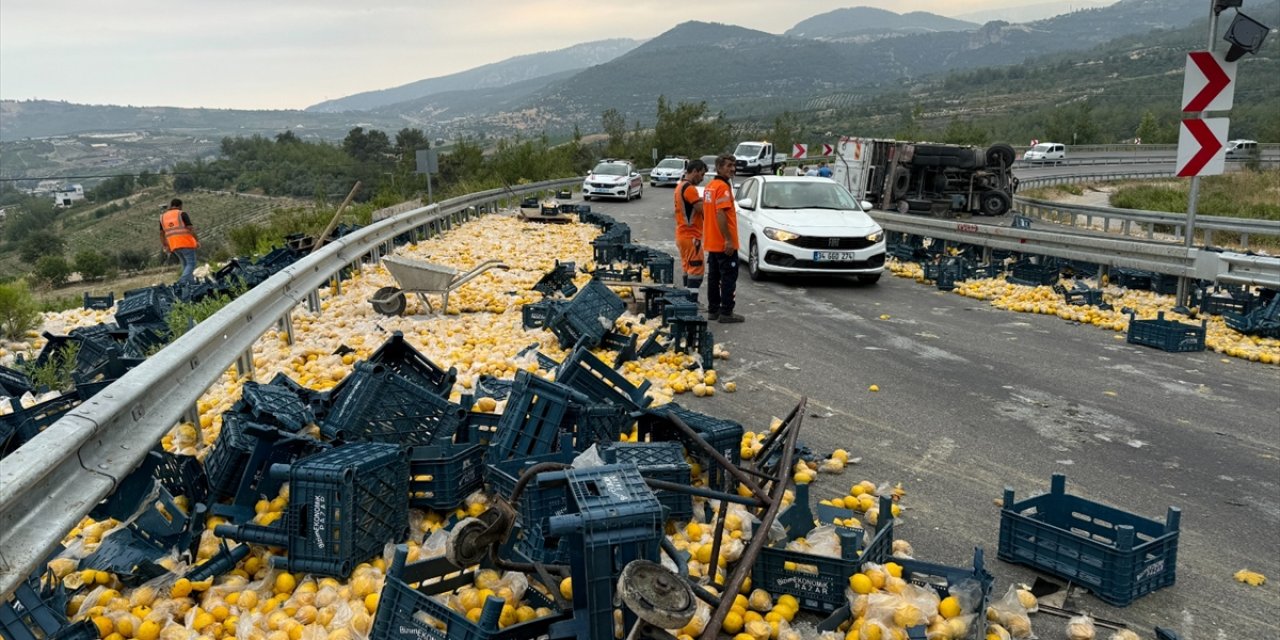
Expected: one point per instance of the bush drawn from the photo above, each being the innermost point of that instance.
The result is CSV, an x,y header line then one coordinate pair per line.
x,y
18,311
93,265
132,259
39,244
52,270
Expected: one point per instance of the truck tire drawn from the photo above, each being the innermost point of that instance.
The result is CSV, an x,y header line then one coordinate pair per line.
x,y
1000,155
994,203
901,181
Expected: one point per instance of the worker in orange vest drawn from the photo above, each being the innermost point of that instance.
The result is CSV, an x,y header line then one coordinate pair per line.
x,y
179,236
720,240
688,209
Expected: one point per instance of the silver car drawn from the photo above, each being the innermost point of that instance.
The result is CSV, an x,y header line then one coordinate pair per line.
x,y
668,172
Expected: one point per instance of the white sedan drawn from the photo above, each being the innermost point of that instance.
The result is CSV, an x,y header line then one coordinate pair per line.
x,y
796,224
613,179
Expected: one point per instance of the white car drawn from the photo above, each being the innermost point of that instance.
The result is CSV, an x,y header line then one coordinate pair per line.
x,y
1241,149
613,179
798,224
668,172
1046,152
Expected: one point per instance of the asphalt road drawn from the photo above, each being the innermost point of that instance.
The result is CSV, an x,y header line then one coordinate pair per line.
x,y
973,399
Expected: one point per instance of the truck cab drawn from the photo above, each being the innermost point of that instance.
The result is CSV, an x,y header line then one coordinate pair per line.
x,y
754,158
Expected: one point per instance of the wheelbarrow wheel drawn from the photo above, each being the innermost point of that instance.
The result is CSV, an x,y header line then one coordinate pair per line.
x,y
657,595
389,301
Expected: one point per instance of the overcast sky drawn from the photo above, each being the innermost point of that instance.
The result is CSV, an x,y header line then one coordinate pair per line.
x,y
289,54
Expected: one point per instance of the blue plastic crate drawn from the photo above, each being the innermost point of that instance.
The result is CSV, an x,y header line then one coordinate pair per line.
x,y
22,425
1026,272
13,383
819,582
1131,278
275,405
37,611
1117,555
599,424
100,303
586,374
607,498
658,461
560,278
379,405
148,305
409,606
531,423
1167,335
939,578
725,436
534,315
661,268
441,476
399,356
586,317
345,504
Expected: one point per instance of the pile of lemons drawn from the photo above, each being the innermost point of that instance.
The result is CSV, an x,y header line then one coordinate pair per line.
x,y
1146,305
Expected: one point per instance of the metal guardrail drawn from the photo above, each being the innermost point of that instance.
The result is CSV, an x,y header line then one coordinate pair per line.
x,y
49,484
1268,157
1171,259
1147,221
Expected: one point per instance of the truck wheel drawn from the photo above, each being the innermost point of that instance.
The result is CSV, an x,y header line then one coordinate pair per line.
x,y
1000,155
994,203
901,180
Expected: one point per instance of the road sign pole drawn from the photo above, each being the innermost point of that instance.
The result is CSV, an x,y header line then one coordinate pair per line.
x,y
1184,290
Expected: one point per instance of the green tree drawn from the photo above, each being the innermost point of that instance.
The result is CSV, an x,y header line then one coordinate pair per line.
x,y
40,244
18,311
35,214
1073,124
909,123
615,126
132,259
1148,129
785,132
686,130
52,270
92,265
968,133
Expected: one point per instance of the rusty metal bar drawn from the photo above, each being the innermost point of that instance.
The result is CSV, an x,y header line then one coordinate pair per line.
x,y
719,458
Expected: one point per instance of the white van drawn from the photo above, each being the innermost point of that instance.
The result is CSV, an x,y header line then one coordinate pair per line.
x,y
1241,149
1046,152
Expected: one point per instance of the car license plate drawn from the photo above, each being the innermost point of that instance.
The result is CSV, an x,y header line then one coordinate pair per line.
x,y
833,256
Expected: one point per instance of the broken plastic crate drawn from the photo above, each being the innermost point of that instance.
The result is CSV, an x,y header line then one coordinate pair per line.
x,y
276,405
379,405
242,455
411,605
37,611
345,504
534,314
590,314
20,426
560,279
1117,555
13,383
1167,335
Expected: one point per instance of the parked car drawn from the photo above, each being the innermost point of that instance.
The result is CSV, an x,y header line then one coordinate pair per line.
x,y
1046,152
668,172
797,224
613,179
1241,149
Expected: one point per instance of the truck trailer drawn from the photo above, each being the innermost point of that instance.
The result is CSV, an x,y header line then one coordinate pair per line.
x,y
927,178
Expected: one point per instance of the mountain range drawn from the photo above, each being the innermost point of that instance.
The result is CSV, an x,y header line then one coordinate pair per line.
x,y
850,53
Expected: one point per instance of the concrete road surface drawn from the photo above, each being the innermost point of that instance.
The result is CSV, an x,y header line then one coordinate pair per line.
x,y
973,399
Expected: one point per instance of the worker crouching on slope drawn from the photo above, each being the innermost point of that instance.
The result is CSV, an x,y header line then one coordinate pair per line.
x,y
688,210
179,236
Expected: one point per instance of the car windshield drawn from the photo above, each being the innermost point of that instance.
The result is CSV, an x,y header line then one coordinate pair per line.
x,y
671,163
1042,147
610,169
748,149
806,195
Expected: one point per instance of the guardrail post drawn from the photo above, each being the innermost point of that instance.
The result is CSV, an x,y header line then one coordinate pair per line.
x,y
285,325
1244,241
335,283
191,415
313,301
1208,237
244,364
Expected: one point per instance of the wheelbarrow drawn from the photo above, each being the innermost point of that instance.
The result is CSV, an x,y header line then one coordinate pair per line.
x,y
422,278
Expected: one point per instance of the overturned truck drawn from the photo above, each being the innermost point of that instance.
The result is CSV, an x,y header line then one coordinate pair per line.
x,y
928,178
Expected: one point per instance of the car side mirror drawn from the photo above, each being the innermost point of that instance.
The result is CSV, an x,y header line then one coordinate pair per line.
x,y
747,203
635,173
866,206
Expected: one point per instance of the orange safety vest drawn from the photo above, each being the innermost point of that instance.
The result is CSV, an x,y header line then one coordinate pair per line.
x,y
688,218
718,195
176,234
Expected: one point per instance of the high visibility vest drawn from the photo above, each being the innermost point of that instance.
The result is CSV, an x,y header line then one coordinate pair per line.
x,y
176,234
718,195
688,222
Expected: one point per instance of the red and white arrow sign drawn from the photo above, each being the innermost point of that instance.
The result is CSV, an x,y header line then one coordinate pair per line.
x,y
799,151
1202,147
828,149
1209,83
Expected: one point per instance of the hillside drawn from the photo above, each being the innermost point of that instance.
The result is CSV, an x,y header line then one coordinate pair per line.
x,y
520,69
852,21
1027,12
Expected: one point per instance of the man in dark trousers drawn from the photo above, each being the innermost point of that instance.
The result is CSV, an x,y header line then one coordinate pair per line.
x,y
179,236
720,240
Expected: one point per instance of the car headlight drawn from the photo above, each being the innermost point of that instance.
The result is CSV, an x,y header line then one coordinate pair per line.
x,y
875,237
779,234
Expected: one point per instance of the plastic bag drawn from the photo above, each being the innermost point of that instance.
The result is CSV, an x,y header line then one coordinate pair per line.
x,y
588,459
902,549
824,541
1125,634
511,587
1081,628
1012,616
434,545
